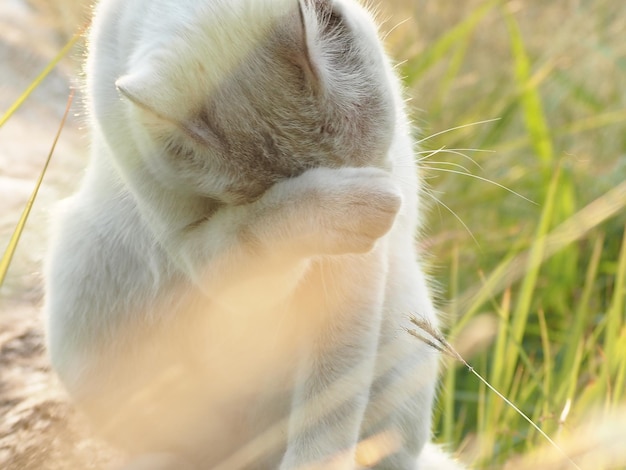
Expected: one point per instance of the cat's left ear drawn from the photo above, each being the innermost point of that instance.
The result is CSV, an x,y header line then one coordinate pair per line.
x,y
137,89
134,87
142,90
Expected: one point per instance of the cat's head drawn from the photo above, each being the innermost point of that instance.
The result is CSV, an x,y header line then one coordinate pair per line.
x,y
237,94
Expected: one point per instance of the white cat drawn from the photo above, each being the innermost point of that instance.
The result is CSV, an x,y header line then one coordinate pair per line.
x,y
232,281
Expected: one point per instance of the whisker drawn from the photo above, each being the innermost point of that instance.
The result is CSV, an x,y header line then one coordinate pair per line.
x,y
459,152
404,21
486,180
456,216
457,128
429,153
452,164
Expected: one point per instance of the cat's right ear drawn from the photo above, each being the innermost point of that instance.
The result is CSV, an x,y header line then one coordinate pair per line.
x,y
306,45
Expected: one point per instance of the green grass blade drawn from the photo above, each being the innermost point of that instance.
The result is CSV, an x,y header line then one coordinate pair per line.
x,y
530,98
493,411
529,282
620,376
548,365
450,375
615,320
576,338
7,257
497,367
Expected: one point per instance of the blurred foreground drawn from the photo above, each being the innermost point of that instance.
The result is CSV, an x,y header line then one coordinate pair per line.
x,y
536,293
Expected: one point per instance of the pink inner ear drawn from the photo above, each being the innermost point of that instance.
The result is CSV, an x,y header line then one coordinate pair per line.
x,y
202,135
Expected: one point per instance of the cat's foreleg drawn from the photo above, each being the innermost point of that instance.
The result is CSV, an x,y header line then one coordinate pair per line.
x,y
332,386
403,389
401,401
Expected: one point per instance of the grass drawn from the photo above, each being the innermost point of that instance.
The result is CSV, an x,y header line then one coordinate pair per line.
x,y
550,276
544,283
7,256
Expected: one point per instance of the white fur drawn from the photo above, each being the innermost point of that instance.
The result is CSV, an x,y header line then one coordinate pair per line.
x,y
244,317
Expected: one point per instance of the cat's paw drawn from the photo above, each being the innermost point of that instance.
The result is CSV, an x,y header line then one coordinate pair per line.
x,y
349,208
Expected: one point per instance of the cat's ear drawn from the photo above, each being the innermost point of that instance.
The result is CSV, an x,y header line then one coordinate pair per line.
x,y
145,92
304,36
136,87
138,90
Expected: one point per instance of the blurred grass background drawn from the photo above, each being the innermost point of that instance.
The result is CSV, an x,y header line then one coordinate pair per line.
x,y
534,293
532,94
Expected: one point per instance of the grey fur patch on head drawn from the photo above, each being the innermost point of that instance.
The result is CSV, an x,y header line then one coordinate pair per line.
x,y
290,105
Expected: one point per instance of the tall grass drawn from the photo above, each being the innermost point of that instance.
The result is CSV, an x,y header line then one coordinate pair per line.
x,y
544,284
551,275
7,256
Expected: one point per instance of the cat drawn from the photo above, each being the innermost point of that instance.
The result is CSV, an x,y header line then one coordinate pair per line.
x,y
231,284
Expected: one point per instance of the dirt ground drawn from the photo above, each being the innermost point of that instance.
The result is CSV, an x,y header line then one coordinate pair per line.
x,y
38,428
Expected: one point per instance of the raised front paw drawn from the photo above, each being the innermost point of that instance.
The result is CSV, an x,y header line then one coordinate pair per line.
x,y
346,210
